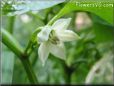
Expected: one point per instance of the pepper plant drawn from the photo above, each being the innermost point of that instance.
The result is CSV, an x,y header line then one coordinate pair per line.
x,y
41,44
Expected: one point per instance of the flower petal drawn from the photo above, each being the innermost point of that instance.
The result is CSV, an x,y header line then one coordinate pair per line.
x,y
67,35
43,52
61,24
43,35
58,50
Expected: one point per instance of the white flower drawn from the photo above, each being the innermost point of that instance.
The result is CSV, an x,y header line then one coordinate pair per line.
x,y
51,39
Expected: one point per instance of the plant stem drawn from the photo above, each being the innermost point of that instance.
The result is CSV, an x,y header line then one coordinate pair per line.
x,y
32,41
11,24
60,13
69,72
29,70
11,43
53,19
28,47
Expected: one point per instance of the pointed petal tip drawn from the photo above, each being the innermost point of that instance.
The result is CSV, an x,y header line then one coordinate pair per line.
x,y
70,19
77,36
68,35
64,58
43,64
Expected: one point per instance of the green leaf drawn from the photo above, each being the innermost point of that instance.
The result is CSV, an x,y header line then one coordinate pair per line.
x,y
7,66
21,7
103,33
105,13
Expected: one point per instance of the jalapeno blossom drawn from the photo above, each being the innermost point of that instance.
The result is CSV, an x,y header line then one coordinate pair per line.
x,y
52,38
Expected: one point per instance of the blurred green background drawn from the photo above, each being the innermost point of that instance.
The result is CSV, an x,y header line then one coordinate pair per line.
x,y
89,60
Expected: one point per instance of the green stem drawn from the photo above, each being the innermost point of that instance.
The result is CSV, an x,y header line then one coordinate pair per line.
x,y
11,24
32,41
28,47
60,14
54,19
11,43
68,71
29,70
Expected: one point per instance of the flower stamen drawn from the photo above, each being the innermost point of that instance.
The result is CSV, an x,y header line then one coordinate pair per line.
x,y
53,38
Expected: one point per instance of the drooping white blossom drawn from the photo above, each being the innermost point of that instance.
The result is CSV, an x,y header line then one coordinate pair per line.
x,y
51,39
